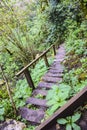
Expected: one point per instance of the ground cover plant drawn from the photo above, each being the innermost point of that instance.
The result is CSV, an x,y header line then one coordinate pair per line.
x,y
76,121
57,97
69,122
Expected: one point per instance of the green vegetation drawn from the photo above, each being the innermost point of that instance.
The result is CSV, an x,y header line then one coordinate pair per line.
x,y
39,70
56,97
70,20
27,31
69,122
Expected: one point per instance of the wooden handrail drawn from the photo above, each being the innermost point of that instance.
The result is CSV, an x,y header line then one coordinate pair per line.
x,y
26,71
30,64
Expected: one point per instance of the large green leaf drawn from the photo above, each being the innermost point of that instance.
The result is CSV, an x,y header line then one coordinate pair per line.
x,y
68,127
75,117
1,111
1,118
62,121
75,126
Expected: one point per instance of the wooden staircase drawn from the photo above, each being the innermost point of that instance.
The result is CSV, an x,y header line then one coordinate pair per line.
x,y
52,77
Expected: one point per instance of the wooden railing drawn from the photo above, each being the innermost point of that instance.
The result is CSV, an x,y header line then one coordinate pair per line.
x,y
26,71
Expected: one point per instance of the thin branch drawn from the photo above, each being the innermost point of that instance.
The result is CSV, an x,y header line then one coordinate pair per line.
x,y
8,90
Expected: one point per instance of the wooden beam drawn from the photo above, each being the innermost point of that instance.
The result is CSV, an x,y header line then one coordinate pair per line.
x,y
29,79
46,60
54,49
66,110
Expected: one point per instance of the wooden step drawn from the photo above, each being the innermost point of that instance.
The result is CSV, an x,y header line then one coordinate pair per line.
x,y
30,115
60,56
36,101
60,75
58,60
39,91
51,79
45,85
56,68
55,71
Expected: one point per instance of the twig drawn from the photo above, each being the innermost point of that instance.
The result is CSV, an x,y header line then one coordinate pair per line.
x,y
8,90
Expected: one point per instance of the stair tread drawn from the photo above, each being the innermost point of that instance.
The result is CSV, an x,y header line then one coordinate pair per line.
x,y
36,101
34,116
39,91
59,60
54,74
46,85
51,79
56,71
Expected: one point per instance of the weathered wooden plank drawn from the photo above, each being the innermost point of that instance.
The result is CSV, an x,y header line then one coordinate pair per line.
x,y
39,91
59,60
55,71
45,85
36,101
51,79
54,49
60,75
66,110
46,60
29,79
30,115
56,67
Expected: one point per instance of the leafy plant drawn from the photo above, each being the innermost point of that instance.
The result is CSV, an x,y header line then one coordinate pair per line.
x,y
6,109
56,97
21,92
30,128
70,122
1,113
39,70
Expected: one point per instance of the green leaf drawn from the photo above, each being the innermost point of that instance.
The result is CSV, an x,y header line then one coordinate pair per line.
x,y
1,118
68,127
62,121
75,126
54,107
51,102
1,111
75,117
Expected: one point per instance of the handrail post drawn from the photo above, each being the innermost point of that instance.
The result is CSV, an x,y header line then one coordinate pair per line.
x,y
54,49
29,79
46,60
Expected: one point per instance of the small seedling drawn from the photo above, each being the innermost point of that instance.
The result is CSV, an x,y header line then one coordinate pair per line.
x,y
70,122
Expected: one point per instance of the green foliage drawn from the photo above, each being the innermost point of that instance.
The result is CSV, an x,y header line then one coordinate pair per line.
x,y
77,41
69,122
56,97
39,70
80,86
3,92
30,128
1,113
21,92
70,78
6,109
27,31
75,62
9,66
